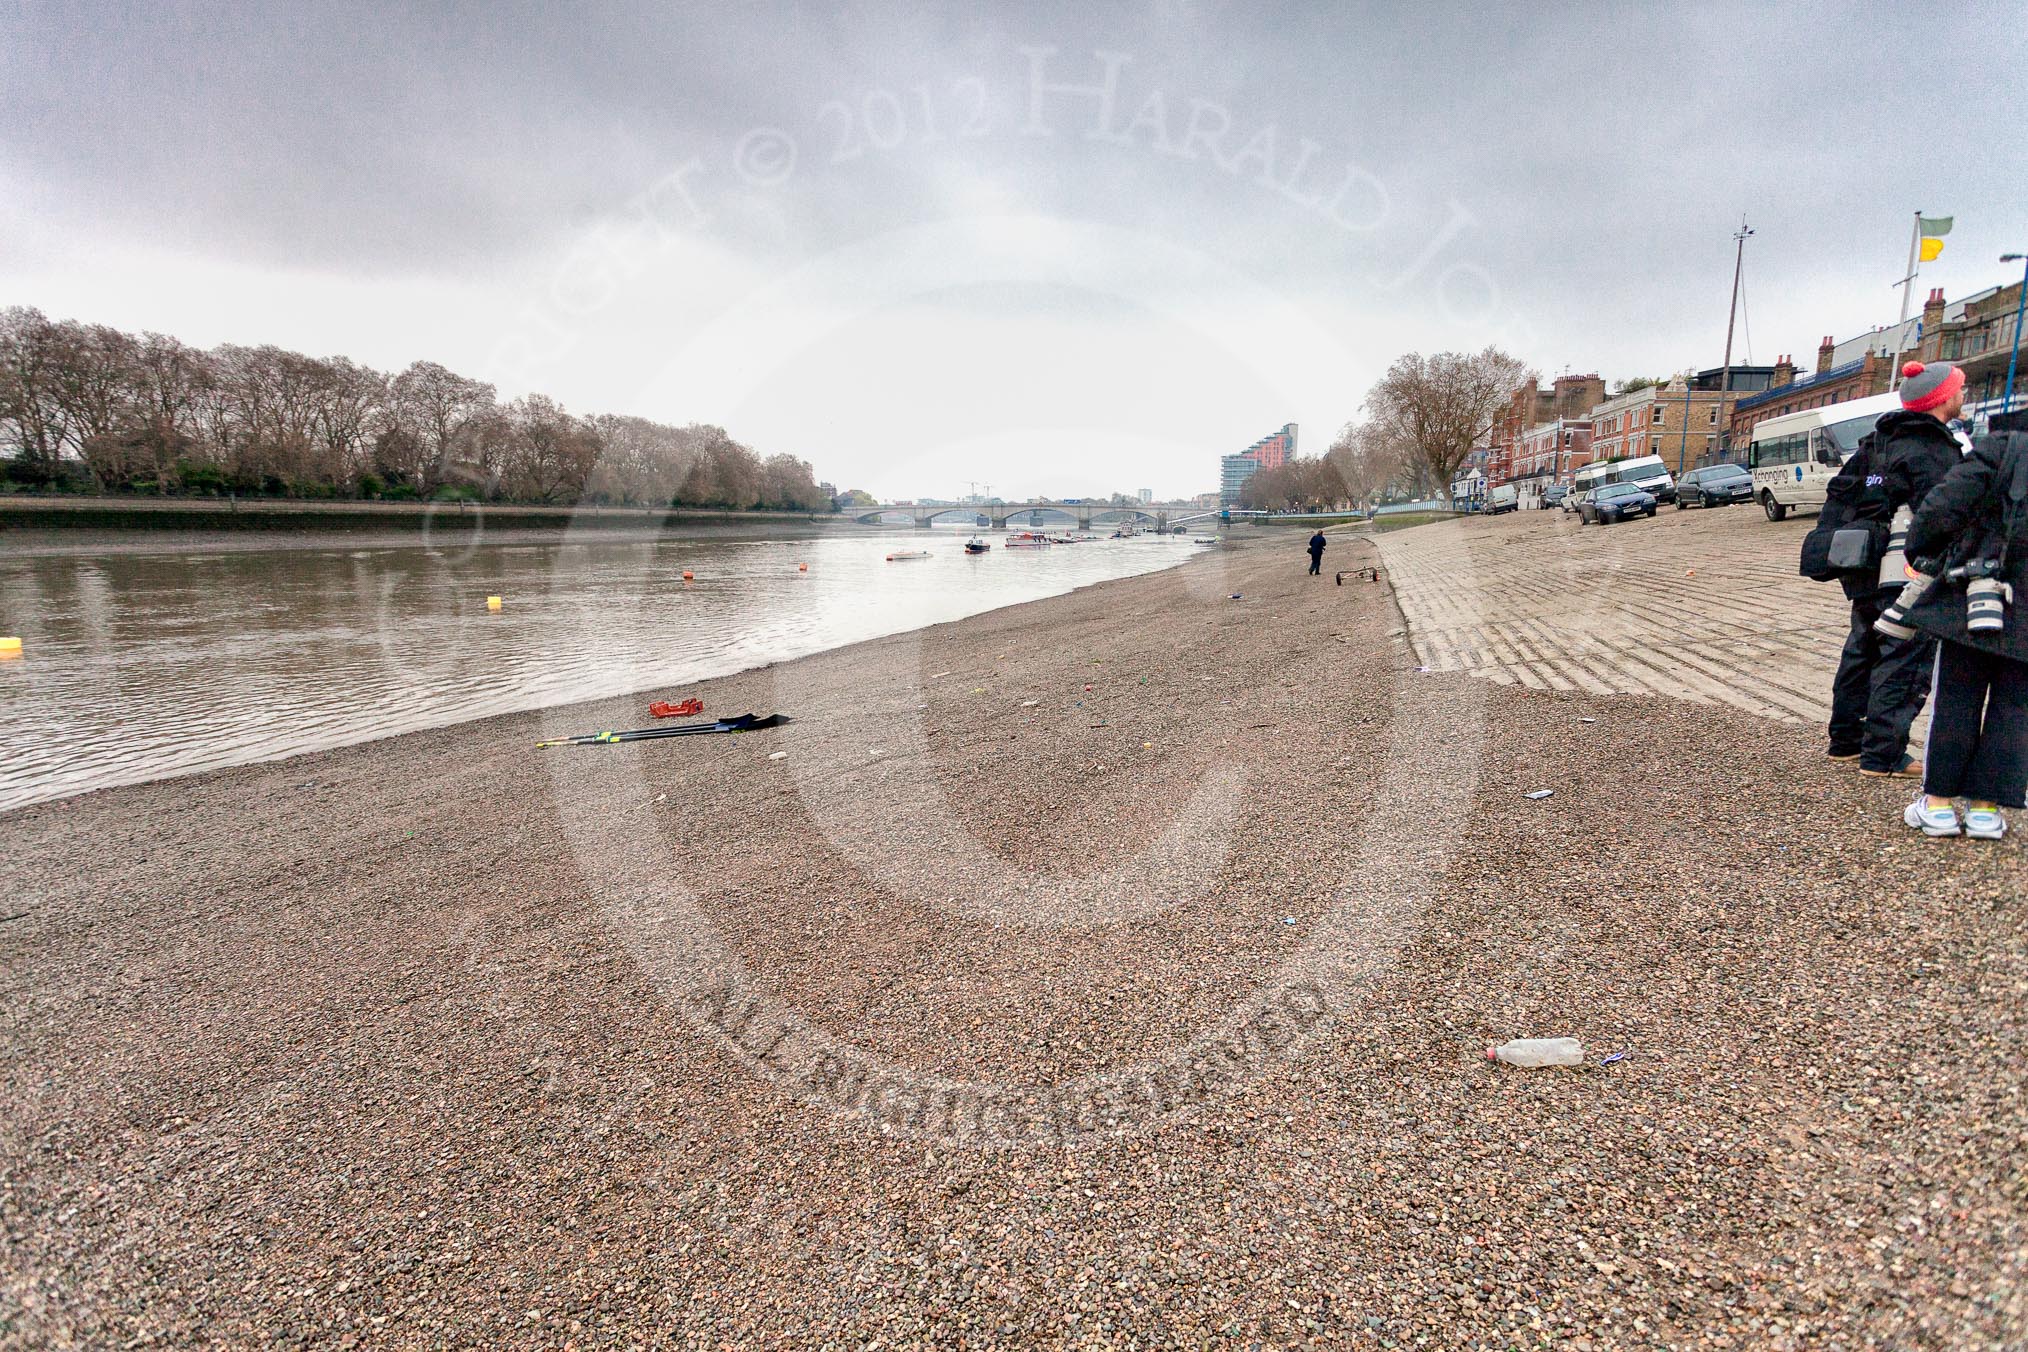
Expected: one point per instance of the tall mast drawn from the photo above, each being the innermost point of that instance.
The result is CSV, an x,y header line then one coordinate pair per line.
x,y
1725,378
1907,288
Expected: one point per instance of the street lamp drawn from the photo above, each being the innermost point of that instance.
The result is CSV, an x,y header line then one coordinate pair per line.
x,y
2014,357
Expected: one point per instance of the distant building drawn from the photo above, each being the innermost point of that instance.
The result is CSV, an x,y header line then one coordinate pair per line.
x,y
1550,452
1569,397
1270,452
1147,495
1978,335
1869,374
1679,421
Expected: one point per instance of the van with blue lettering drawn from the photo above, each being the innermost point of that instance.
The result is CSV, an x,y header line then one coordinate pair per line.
x,y
1793,457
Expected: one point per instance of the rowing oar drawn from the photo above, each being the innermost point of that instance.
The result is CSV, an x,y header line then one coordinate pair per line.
x,y
743,723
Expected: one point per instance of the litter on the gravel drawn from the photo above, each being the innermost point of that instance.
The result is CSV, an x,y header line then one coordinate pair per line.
x,y
1029,703
1616,1056
1534,1053
1587,720
1540,794
778,755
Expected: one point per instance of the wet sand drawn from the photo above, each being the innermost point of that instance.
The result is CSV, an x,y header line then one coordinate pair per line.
x,y
981,1007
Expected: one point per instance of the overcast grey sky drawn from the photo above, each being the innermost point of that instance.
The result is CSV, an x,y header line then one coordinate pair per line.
x,y
896,244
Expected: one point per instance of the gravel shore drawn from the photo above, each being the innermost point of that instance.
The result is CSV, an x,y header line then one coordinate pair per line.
x,y
1109,971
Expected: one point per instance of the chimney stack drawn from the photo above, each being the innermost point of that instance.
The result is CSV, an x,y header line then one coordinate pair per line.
x,y
1824,350
1785,370
1931,346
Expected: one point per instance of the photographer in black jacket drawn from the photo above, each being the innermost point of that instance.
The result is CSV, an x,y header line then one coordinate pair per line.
x,y
1882,682
1972,530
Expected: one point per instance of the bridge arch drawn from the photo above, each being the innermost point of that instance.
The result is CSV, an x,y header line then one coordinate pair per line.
x,y
1042,515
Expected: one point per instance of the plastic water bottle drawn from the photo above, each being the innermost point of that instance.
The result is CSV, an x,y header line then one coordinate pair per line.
x,y
1531,1052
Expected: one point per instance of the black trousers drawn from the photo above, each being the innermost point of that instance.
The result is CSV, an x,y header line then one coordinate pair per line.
x,y
1880,688
1316,562
1978,731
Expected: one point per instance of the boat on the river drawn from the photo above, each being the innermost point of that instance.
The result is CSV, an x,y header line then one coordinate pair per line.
x,y
1026,539
900,554
976,546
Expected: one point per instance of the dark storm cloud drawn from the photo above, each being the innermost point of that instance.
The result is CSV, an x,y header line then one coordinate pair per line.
x,y
1588,159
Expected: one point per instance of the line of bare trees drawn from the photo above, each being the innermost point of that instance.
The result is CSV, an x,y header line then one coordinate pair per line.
x,y
85,405
1421,422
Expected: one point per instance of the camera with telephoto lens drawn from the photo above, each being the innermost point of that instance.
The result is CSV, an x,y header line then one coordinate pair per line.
x,y
1986,596
1893,621
1894,562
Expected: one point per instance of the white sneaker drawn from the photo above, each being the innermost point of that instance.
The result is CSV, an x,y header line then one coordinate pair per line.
x,y
1985,823
1931,821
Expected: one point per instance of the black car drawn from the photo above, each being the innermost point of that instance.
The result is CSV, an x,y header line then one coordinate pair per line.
x,y
1714,486
1553,496
1614,502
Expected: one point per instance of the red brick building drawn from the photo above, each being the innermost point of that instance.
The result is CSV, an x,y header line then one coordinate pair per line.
x,y
1553,451
1869,375
1530,406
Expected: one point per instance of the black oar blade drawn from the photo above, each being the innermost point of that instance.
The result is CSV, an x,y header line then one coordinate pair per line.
x,y
741,723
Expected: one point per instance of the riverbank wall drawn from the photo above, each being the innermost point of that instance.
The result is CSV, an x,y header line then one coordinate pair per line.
x,y
45,525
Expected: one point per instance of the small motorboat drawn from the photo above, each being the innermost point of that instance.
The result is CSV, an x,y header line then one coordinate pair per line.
x,y
1026,539
1205,540
900,554
976,546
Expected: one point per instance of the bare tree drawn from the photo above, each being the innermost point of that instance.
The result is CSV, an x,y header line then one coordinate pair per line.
x,y
34,420
434,407
168,378
151,412
549,453
352,413
1437,408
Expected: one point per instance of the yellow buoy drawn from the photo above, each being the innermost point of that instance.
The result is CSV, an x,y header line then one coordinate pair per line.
x,y
10,646
492,603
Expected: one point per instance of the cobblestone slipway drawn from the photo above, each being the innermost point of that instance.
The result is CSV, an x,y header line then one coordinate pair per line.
x,y
1704,606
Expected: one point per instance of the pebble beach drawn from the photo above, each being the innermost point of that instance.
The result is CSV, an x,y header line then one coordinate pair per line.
x,y
1113,970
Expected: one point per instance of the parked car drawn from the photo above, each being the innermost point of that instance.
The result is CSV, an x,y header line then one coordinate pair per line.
x,y
1615,502
1554,496
1502,498
1714,486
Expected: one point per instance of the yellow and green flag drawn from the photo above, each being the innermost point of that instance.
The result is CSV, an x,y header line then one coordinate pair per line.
x,y
1932,229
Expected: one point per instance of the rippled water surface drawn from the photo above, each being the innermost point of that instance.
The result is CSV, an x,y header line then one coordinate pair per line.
x,y
143,665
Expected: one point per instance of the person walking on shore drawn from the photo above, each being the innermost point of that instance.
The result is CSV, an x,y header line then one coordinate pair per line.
x,y
1972,531
1317,553
1912,451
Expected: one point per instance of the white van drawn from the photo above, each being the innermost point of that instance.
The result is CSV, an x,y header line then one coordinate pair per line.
x,y
1794,456
1646,472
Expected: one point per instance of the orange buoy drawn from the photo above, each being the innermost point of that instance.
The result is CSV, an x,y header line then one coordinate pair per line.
x,y
802,567
689,576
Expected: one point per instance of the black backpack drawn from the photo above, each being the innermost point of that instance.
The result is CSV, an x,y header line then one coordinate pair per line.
x,y
1851,531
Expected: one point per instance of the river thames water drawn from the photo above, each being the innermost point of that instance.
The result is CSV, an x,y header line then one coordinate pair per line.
x,y
136,666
